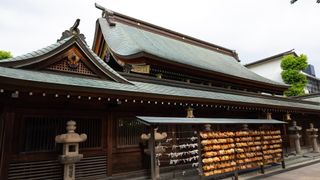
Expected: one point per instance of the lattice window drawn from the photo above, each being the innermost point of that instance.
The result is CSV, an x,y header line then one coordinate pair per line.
x,y
40,133
129,131
64,67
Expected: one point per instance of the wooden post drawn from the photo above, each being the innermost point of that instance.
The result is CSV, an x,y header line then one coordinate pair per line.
x,y
236,174
6,144
109,143
262,166
1,135
262,169
152,153
285,139
199,152
283,164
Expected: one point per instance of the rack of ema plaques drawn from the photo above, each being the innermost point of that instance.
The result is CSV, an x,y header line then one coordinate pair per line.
x,y
180,152
226,152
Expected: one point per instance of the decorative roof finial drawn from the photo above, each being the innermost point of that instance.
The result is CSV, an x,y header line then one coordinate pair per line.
x,y
73,31
106,13
235,54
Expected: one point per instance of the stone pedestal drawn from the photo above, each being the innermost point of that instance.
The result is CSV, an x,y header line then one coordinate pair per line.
x,y
296,136
312,133
296,140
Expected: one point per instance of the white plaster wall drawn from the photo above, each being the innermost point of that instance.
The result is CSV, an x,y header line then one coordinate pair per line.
x,y
270,69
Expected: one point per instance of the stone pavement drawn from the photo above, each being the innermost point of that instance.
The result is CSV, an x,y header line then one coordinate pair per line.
x,y
294,165
306,173
301,167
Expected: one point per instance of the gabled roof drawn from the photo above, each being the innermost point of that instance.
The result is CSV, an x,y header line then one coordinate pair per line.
x,y
130,38
271,58
61,45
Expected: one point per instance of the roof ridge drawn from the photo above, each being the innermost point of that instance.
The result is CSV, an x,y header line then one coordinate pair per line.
x,y
271,57
112,15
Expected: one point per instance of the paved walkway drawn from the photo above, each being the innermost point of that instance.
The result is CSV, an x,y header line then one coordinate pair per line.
x,y
306,173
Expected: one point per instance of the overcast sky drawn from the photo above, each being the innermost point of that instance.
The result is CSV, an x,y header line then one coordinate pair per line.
x,y
254,28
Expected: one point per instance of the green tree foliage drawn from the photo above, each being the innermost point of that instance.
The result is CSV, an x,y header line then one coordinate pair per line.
x,y
5,54
291,74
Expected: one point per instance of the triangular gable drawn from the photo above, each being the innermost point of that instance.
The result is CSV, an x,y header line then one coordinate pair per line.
x,y
69,55
72,59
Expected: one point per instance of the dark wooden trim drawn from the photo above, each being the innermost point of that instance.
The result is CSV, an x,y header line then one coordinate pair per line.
x,y
97,39
7,143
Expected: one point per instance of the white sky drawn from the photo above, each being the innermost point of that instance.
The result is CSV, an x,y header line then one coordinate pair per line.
x,y
254,28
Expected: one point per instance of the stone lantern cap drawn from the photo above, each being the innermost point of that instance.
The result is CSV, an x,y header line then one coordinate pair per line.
x,y
312,128
294,127
158,136
71,136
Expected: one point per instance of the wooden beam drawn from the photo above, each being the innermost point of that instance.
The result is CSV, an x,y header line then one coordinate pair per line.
x,y
6,144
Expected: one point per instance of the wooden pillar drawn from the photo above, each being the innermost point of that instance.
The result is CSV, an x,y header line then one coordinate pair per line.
x,y
200,153
1,137
152,153
109,139
6,143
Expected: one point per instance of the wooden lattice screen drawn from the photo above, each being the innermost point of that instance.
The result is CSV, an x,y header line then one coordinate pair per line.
x,y
40,132
64,67
129,131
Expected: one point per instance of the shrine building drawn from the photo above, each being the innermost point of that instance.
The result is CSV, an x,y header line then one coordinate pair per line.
x,y
152,103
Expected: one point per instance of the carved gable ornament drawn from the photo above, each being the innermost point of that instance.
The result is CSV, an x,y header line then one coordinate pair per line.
x,y
73,60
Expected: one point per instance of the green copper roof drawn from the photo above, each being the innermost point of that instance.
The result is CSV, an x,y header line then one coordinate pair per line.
x,y
90,84
36,55
149,120
126,40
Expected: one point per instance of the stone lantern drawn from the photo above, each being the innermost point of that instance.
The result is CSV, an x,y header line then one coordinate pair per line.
x,y
70,154
296,136
313,136
158,149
